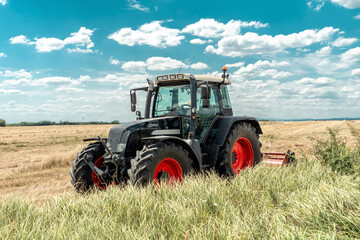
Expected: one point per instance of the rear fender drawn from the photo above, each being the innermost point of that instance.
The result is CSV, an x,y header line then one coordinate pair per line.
x,y
193,147
226,124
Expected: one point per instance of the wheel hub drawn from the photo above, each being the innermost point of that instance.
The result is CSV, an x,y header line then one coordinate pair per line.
x,y
168,171
242,155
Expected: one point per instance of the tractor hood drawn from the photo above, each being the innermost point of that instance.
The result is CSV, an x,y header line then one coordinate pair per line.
x,y
127,136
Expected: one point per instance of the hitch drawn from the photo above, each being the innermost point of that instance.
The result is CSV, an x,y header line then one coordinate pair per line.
x,y
102,175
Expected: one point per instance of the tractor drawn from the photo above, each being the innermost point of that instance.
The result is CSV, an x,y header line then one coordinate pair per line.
x,y
187,126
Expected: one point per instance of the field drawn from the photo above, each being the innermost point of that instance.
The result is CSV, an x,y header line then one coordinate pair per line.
x,y
304,201
35,161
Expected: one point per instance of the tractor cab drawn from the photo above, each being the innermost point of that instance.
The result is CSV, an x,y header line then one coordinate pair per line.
x,y
196,99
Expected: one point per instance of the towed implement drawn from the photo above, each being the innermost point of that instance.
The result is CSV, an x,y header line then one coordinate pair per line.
x,y
188,126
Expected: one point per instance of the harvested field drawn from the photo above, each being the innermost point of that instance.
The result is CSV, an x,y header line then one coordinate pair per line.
x,y
35,161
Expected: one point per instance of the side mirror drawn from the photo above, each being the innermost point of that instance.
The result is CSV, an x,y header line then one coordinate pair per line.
x,y
205,92
205,103
133,107
133,97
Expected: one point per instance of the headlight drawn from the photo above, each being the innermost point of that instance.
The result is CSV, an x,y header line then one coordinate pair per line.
x,y
120,147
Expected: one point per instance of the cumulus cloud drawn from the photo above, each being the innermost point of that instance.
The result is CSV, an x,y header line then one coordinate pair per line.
x,y
22,73
2,55
262,69
80,40
343,42
163,63
69,89
134,4
200,41
199,66
350,4
152,34
134,66
251,43
357,16
238,64
352,55
210,28
355,72
9,91
3,2
19,39
160,64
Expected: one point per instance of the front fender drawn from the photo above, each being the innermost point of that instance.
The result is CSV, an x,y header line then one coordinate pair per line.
x,y
192,146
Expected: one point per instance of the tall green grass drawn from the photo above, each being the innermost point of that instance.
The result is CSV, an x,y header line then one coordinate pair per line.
x,y
307,200
335,153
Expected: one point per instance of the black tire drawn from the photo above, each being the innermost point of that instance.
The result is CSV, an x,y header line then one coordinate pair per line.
x,y
81,173
147,160
246,134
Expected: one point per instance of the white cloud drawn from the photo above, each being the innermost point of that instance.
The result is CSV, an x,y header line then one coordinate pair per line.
x,y
251,43
315,5
134,4
160,64
114,61
2,55
134,66
350,4
352,55
199,66
19,39
238,64
9,91
318,81
3,2
163,63
59,80
357,16
355,72
198,41
152,34
210,28
259,70
22,73
81,40
69,89
48,44
343,42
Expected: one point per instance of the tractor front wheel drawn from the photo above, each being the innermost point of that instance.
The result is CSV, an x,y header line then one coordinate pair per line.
x,y
82,177
240,150
160,163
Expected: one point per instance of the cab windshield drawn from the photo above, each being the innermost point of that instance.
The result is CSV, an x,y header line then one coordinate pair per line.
x,y
173,100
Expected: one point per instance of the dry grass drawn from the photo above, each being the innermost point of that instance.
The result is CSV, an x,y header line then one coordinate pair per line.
x,y
35,161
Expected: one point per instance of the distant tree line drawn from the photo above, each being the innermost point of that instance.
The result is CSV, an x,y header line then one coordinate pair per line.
x,y
2,123
48,123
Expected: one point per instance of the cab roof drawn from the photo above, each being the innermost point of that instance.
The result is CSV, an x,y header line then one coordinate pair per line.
x,y
181,77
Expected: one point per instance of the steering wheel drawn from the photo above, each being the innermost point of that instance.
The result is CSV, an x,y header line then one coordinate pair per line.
x,y
185,106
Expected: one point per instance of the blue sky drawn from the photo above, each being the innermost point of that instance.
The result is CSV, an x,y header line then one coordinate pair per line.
x,y
77,60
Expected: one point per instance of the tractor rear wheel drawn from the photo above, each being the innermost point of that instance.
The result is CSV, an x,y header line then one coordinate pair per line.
x,y
160,163
240,150
81,174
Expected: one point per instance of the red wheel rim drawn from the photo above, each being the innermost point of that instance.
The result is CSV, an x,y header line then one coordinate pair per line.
x,y
95,178
242,155
169,170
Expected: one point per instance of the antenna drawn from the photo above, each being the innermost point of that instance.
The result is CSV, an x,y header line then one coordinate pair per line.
x,y
180,68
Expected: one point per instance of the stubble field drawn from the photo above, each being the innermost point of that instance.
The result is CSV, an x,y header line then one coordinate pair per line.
x,y
35,161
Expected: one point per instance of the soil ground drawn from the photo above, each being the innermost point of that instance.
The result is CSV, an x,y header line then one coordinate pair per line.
x,y
35,161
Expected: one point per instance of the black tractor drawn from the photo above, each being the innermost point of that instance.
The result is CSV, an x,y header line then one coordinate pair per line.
x,y
188,126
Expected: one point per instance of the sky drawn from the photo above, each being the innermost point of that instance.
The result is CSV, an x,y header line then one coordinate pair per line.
x,y
77,60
